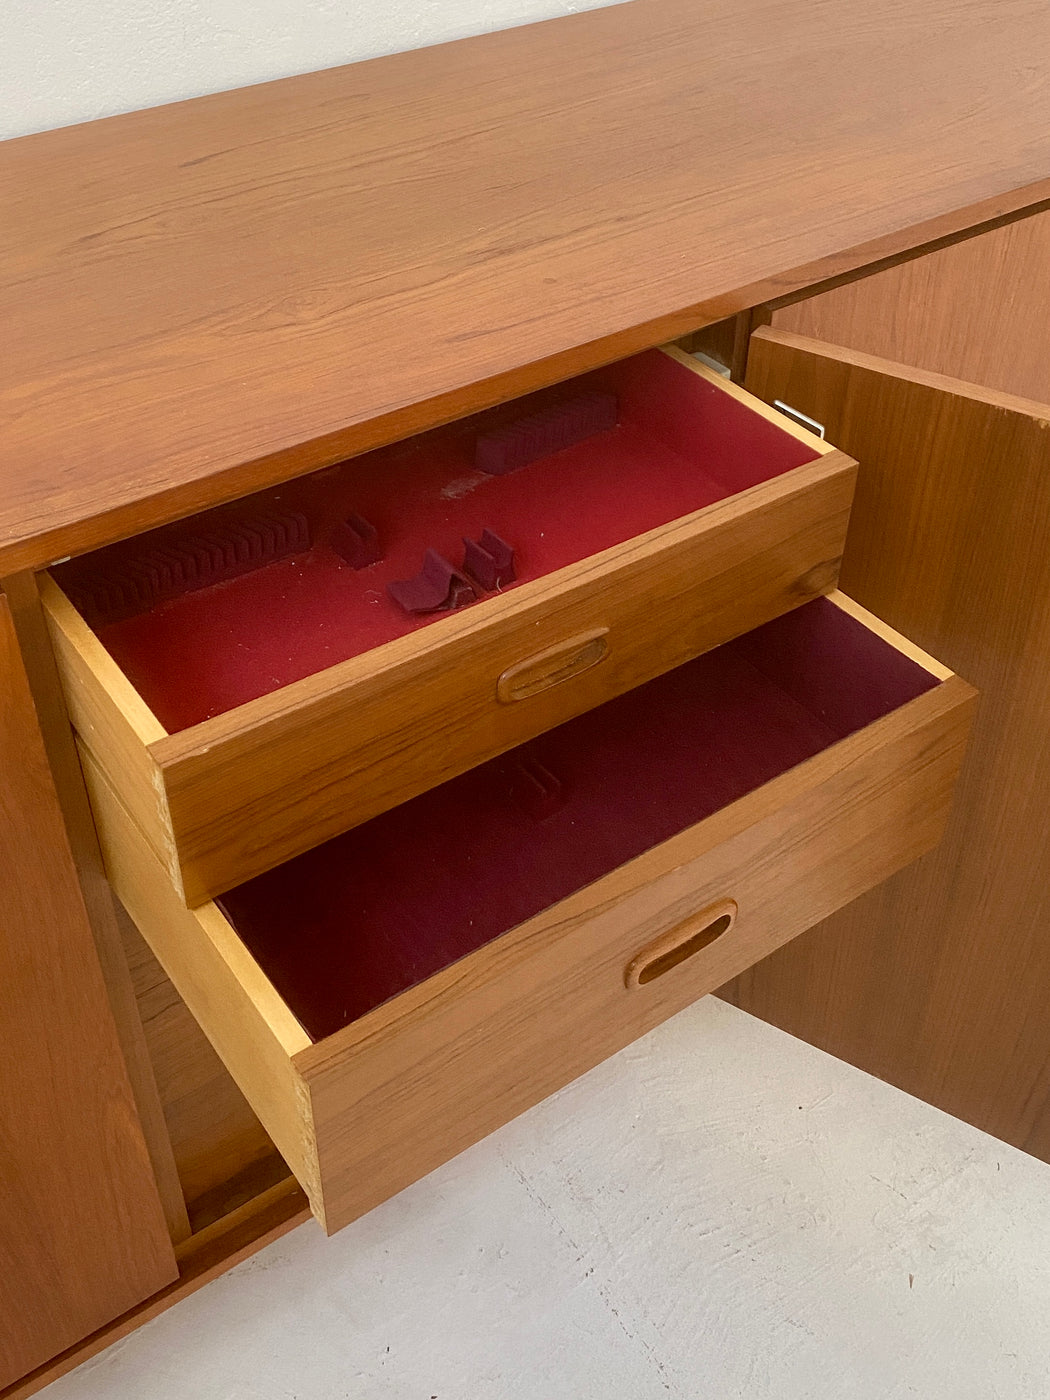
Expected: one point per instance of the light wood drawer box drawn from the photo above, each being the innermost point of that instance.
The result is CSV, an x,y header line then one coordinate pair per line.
x,y
231,795
398,993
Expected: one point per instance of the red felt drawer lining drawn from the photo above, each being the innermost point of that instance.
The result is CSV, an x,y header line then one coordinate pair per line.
x,y
681,444
350,924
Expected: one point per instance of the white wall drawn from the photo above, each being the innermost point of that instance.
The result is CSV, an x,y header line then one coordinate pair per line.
x,y
64,61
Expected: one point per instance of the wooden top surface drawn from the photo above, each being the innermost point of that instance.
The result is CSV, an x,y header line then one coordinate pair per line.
x,y
204,298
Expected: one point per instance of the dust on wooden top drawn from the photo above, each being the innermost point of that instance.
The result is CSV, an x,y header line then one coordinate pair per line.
x,y
205,298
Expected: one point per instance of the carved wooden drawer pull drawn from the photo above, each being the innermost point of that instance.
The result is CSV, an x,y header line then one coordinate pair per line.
x,y
552,666
692,935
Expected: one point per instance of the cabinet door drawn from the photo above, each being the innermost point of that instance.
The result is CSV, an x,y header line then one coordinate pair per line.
x,y
976,309
82,1233
938,980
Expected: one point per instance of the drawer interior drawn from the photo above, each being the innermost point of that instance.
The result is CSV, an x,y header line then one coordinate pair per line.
x,y
354,922
194,649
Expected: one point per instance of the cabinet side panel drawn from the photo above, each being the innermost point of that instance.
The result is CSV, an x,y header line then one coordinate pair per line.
x,y
82,1232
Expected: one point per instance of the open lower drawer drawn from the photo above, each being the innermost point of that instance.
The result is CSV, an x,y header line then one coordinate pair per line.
x,y
247,709
387,999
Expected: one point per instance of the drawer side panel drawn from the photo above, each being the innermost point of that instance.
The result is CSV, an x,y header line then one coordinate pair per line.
x,y
111,720
250,1028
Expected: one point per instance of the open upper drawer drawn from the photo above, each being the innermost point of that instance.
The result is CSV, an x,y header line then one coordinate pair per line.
x,y
250,686
388,998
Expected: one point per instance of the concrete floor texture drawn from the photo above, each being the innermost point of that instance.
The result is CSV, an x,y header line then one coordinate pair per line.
x,y
719,1211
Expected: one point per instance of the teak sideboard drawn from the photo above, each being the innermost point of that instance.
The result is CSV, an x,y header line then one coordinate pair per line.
x,y
317,868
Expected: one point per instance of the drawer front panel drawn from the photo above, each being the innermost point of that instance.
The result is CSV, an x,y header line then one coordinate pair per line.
x,y
268,789
273,789
246,791
420,1080
369,1109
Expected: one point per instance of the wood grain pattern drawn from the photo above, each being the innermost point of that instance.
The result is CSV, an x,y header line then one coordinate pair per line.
x,y
227,992
679,942
716,341
240,793
81,652
216,295
83,1235
204,1257
31,629
552,666
937,981
976,311
366,1111
217,1141
418,1080
249,789
110,717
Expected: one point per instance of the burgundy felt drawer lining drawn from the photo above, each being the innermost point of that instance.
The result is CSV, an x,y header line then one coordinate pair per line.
x,y
350,924
682,443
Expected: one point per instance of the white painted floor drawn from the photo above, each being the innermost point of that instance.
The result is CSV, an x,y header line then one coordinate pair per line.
x,y
720,1211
